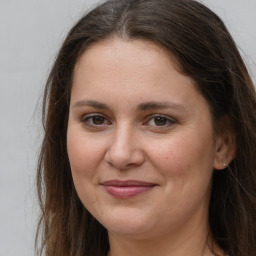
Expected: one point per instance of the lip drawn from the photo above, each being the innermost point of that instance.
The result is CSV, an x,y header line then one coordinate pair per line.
x,y
127,188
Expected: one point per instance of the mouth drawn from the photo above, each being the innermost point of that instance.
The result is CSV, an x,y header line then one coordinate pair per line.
x,y
127,188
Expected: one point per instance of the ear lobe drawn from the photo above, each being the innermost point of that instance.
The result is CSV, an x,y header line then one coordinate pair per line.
x,y
225,145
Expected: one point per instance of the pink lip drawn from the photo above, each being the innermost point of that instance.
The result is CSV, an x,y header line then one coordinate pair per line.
x,y
127,188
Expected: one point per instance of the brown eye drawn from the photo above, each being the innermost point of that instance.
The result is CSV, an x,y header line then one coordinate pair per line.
x,y
160,121
95,120
98,120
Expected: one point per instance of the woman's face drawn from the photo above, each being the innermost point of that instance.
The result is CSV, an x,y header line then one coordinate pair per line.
x,y
140,141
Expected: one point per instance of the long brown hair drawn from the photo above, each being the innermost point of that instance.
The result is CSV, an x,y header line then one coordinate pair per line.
x,y
204,50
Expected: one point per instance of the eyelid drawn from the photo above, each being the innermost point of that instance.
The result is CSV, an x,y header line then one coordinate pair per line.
x,y
107,121
85,117
161,115
168,118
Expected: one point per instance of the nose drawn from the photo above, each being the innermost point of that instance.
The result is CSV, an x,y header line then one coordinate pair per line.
x,y
125,150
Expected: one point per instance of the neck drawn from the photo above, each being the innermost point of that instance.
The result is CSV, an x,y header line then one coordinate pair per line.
x,y
152,248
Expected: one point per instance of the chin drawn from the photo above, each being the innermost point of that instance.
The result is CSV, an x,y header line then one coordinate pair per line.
x,y
123,223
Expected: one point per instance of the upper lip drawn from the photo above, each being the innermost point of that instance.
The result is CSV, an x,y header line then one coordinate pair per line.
x,y
127,183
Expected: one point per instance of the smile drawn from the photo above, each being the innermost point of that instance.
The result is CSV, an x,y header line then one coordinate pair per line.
x,y
126,189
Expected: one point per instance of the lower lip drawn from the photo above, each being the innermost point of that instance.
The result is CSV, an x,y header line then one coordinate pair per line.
x,y
127,192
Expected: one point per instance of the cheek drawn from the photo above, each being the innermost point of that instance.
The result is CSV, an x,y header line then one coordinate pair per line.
x,y
84,152
85,155
174,156
186,168
185,163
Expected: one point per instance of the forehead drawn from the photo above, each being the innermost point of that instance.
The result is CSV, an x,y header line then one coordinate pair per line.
x,y
115,50
134,69
116,56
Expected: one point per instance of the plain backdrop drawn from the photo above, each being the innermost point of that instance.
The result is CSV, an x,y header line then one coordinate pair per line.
x,y
31,32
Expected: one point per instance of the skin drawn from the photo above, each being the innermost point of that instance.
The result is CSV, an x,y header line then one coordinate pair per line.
x,y
176,152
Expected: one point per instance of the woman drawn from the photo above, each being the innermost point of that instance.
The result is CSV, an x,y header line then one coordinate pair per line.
x,y
149,147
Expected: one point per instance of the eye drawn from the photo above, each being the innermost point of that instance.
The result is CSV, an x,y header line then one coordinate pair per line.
x,y
95,120
160,121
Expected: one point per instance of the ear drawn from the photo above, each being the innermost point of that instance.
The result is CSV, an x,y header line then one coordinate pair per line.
x,y
225,144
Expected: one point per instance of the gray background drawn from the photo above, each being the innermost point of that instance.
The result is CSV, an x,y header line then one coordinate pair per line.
x,y
31,32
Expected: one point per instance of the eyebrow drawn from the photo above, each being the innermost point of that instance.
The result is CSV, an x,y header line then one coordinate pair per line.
x,y
141,107
90,103
159,105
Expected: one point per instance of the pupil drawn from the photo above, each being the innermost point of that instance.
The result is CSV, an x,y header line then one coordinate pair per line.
x,y
98,120
160,121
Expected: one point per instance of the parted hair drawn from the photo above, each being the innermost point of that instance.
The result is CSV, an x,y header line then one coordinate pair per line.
x,y
204,50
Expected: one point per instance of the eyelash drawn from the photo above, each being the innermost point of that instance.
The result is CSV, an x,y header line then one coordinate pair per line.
x,y
86,118
168,121
165,118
